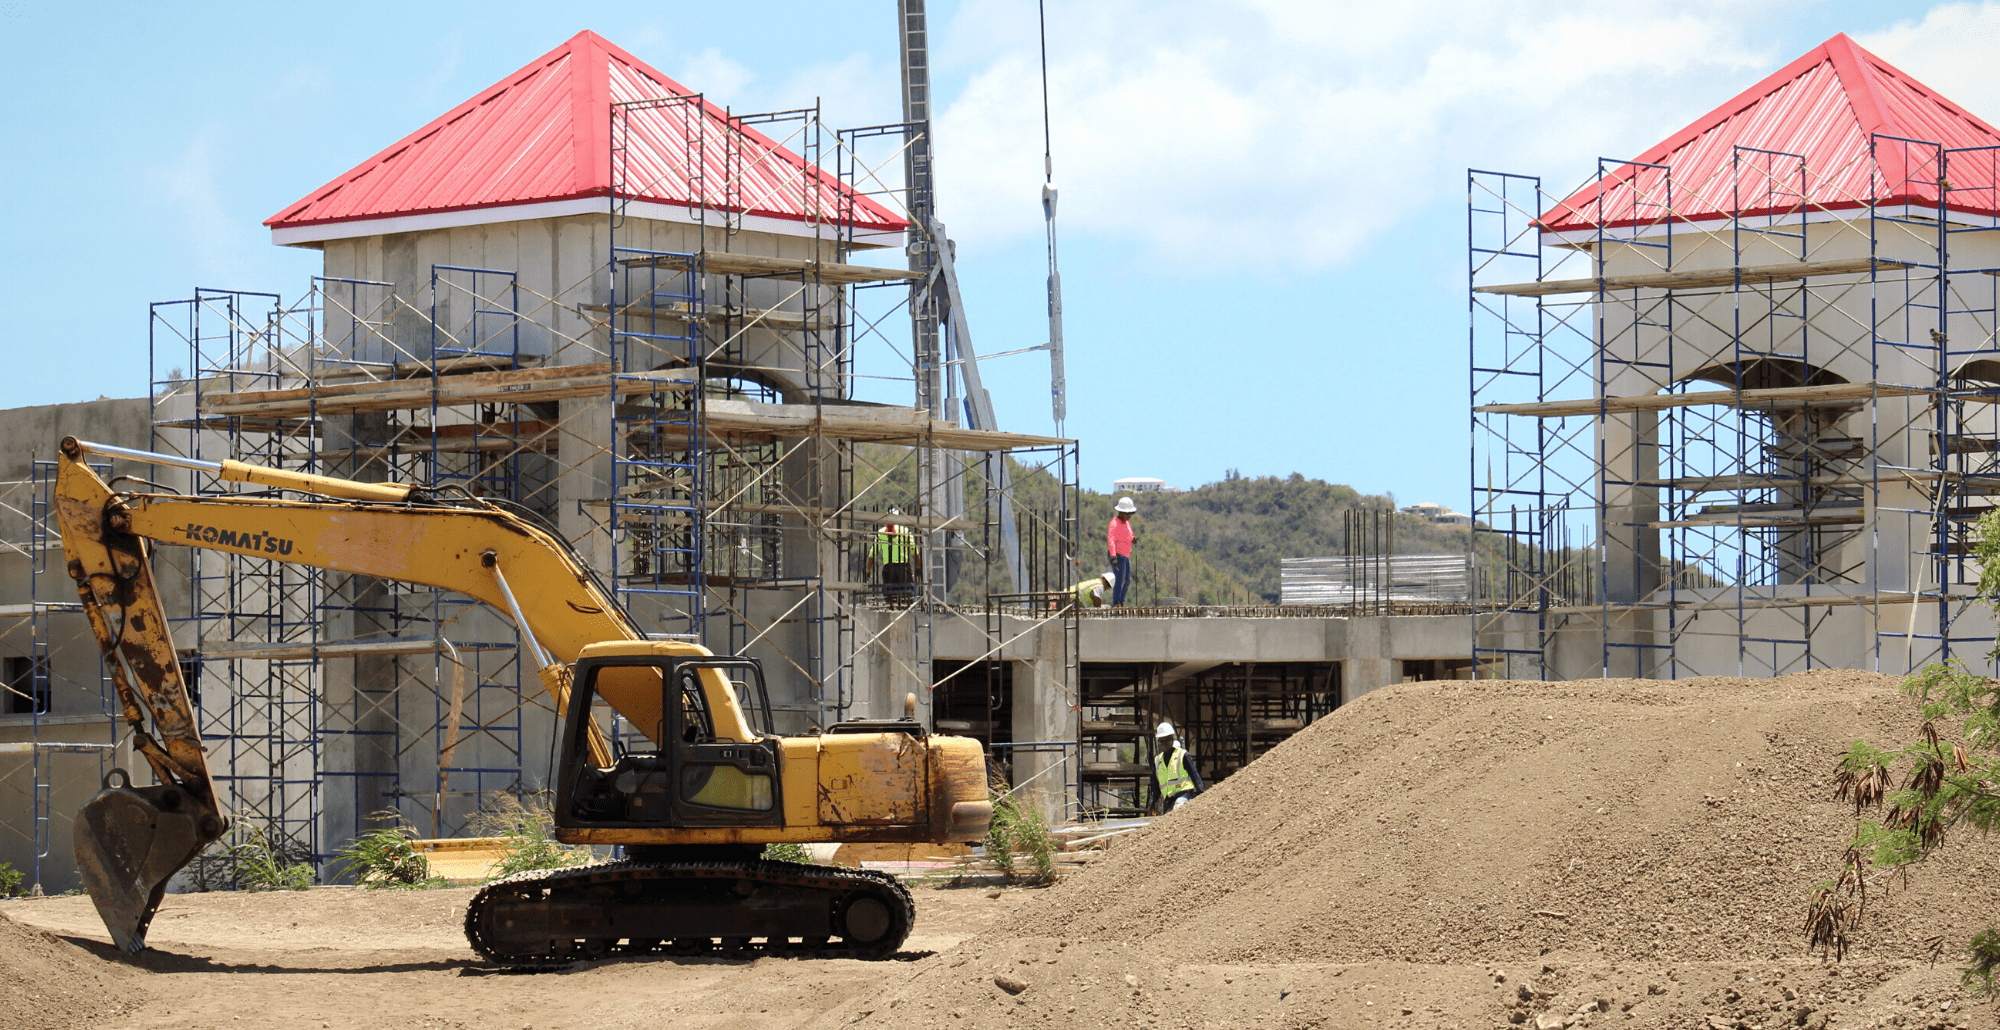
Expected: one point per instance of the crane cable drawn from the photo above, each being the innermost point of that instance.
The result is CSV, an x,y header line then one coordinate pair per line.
x,y
1048,159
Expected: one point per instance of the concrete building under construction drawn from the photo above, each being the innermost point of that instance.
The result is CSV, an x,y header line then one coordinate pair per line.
x,y
1734,399
721,354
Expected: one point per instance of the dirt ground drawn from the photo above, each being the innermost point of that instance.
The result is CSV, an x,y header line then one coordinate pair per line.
x,y
1592,854
340,958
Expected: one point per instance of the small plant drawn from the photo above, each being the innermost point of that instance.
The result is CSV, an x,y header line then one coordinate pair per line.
x,y
10,880
262,867
385,859
788,853
529,829
1020,834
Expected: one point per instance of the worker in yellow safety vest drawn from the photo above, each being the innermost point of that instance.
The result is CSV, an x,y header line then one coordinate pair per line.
x,y
1174,771
1094,592
894,553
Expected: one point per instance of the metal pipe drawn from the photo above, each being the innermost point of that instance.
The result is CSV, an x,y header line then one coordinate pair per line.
x,y
521,621
149,457
241,472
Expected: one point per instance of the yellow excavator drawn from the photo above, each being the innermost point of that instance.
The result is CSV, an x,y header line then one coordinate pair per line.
x,y
666,749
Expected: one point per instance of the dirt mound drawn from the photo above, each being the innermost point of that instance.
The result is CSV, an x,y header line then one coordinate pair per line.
x,y
1675,821
47,983
1614,840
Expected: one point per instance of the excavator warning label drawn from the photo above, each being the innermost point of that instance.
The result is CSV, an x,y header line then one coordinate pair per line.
x,y
260,542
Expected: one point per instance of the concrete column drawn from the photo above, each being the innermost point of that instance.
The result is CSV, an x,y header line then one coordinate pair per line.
x,y
1631,454
1042,712
882,665
584,451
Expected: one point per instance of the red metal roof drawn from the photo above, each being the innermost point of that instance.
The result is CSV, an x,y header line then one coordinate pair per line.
x,y
1814,119
544,134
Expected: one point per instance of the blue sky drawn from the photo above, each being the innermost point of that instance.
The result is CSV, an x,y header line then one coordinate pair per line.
x,y
1262,200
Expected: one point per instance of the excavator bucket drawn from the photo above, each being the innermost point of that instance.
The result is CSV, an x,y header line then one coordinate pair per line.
x,y
129,842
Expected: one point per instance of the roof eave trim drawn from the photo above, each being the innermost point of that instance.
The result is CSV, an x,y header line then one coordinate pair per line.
x,y
315,234
1579,234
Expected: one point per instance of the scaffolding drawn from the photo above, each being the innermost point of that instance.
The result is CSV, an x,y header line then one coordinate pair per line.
x,y
1227,714
50,751
1750,444
708,413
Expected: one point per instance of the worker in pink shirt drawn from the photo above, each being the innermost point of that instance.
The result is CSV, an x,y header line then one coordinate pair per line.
x,y
1118,539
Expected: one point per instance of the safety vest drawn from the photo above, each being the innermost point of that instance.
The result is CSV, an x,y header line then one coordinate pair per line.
x,y
1170,768
893,545
1084,597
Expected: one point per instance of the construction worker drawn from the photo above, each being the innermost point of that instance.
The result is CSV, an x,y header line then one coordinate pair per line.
x,y
1174,770
1091,593
893,553
1118,542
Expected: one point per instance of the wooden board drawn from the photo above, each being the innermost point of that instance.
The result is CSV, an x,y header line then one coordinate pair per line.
x,y
1706,278
1829,393
515,386
755,265
739,320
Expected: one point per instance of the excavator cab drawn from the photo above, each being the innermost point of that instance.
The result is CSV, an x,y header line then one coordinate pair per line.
x,y
657,737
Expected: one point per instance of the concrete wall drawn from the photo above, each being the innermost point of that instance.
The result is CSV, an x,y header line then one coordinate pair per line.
x,y
1649,341
1891,638
566,283
1369,651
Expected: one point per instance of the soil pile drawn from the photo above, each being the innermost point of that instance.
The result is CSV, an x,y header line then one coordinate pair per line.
x,y
1546,851
47,983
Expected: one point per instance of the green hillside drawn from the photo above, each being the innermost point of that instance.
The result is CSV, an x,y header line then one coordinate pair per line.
x,y
1221,543
1217,544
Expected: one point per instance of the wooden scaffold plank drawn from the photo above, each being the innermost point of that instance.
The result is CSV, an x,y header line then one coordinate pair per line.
x,y
826,272
1703,279
515,386
1778,396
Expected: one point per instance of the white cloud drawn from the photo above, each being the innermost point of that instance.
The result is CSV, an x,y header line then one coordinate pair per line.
x,y
185,186
851,91
715,76
192,194
1949,50
1289,133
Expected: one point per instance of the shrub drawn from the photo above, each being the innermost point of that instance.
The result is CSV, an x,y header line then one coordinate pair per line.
x,y
788,853
385,858
262,867
1020,833
10,880
529,829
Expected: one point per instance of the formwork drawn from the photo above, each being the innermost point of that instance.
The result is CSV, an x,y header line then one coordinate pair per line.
x,y
1744,445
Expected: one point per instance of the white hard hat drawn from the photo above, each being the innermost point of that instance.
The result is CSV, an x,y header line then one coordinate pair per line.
x,y
895,511
1111,579
1166,730
1125,505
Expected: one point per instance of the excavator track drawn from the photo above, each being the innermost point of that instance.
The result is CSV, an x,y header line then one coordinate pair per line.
x,y
747,908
